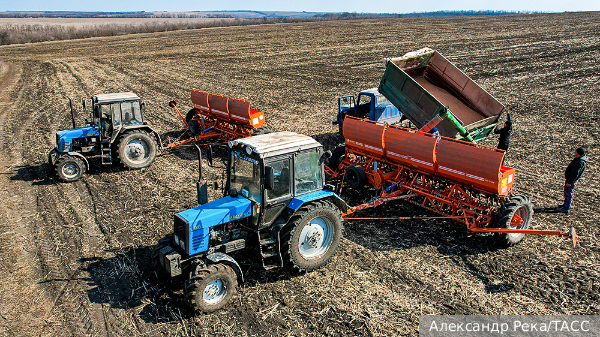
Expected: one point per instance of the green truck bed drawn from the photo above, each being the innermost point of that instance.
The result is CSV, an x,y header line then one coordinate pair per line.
x,y
423,84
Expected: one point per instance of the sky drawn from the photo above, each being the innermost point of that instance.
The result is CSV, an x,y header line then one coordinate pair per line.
x,y
360,6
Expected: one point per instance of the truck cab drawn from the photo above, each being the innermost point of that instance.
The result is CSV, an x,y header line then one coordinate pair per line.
x,y
369,104
275,200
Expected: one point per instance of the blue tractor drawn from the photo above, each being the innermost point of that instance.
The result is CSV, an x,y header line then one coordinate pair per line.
x,y
276,204
117,133
370,104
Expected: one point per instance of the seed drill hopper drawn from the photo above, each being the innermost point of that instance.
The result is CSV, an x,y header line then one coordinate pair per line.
x,y
218,116
457,179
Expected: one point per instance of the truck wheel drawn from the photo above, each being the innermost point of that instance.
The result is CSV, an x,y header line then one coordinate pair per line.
x,y
337,155
515,214
312,236
263,130
211,288
70,168
356,176
137,150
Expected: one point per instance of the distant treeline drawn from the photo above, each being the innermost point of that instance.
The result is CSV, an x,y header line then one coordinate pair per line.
x,y
28,33
462,13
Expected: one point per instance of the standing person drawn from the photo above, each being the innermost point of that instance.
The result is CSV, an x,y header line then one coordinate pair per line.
x,y
505,132
573,172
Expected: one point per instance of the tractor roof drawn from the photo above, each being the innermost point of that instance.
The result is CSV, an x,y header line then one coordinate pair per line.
x,y
116,97
273,144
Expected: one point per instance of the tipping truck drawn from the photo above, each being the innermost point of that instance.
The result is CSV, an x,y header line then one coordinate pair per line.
x,y
429,91
276,204
118,133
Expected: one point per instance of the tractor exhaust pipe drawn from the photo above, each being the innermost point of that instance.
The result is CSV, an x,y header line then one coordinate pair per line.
x,y
201,187
72,112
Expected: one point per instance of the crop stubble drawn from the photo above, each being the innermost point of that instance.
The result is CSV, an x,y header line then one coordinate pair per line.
x,y
76,256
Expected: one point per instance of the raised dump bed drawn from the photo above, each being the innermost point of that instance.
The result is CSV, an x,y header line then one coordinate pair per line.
x,y
424,84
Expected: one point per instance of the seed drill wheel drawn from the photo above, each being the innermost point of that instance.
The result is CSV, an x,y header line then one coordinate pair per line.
x,y
211,288
337,155
312,236
70,168
516,214
137,150
356,176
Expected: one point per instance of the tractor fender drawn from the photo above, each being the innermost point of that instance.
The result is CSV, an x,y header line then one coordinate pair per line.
x,y
298,202
79,155
224,258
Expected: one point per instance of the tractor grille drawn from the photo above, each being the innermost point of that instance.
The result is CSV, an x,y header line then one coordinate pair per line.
x,y
198,241
180,229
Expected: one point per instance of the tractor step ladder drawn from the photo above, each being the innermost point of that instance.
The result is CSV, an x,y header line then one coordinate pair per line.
x,y
106,152
268,250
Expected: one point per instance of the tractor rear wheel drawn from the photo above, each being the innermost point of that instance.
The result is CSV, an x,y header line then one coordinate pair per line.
x,y
263,130
70,168
211,288
137,150
312,236
515,214
356,176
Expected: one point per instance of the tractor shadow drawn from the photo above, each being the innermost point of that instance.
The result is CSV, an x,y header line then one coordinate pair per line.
x,y
37,175
128,280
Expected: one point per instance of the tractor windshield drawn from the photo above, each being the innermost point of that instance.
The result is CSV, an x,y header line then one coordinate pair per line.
x,y
245,176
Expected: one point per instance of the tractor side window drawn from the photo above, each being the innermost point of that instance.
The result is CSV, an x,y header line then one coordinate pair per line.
x,y
116,114
131,113
281,183
308,175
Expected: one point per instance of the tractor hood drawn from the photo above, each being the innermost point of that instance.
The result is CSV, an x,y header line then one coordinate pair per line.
x,y
200,219
64,139
86,131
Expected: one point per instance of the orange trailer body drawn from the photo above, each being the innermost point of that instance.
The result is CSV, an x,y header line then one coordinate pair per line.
x,y
219,116
459,180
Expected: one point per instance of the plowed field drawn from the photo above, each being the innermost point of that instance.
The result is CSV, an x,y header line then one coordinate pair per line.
x,y
75,258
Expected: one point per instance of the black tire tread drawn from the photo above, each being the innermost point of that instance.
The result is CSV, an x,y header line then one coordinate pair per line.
x,y
192,286
153,148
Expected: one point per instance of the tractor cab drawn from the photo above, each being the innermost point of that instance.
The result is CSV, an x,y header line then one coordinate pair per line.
x,y
112,112
270,170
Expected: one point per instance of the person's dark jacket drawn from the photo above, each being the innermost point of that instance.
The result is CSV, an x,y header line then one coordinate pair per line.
x,y
504,133
575,169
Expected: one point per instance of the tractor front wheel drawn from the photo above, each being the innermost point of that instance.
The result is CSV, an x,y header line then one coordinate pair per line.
x,y
312,236
70,168
515,214
211,288
137,150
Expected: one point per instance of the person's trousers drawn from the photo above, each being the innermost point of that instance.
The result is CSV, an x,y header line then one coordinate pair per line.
x,y
569,192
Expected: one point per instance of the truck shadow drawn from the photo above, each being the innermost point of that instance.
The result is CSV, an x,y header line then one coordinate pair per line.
x,y
129,280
